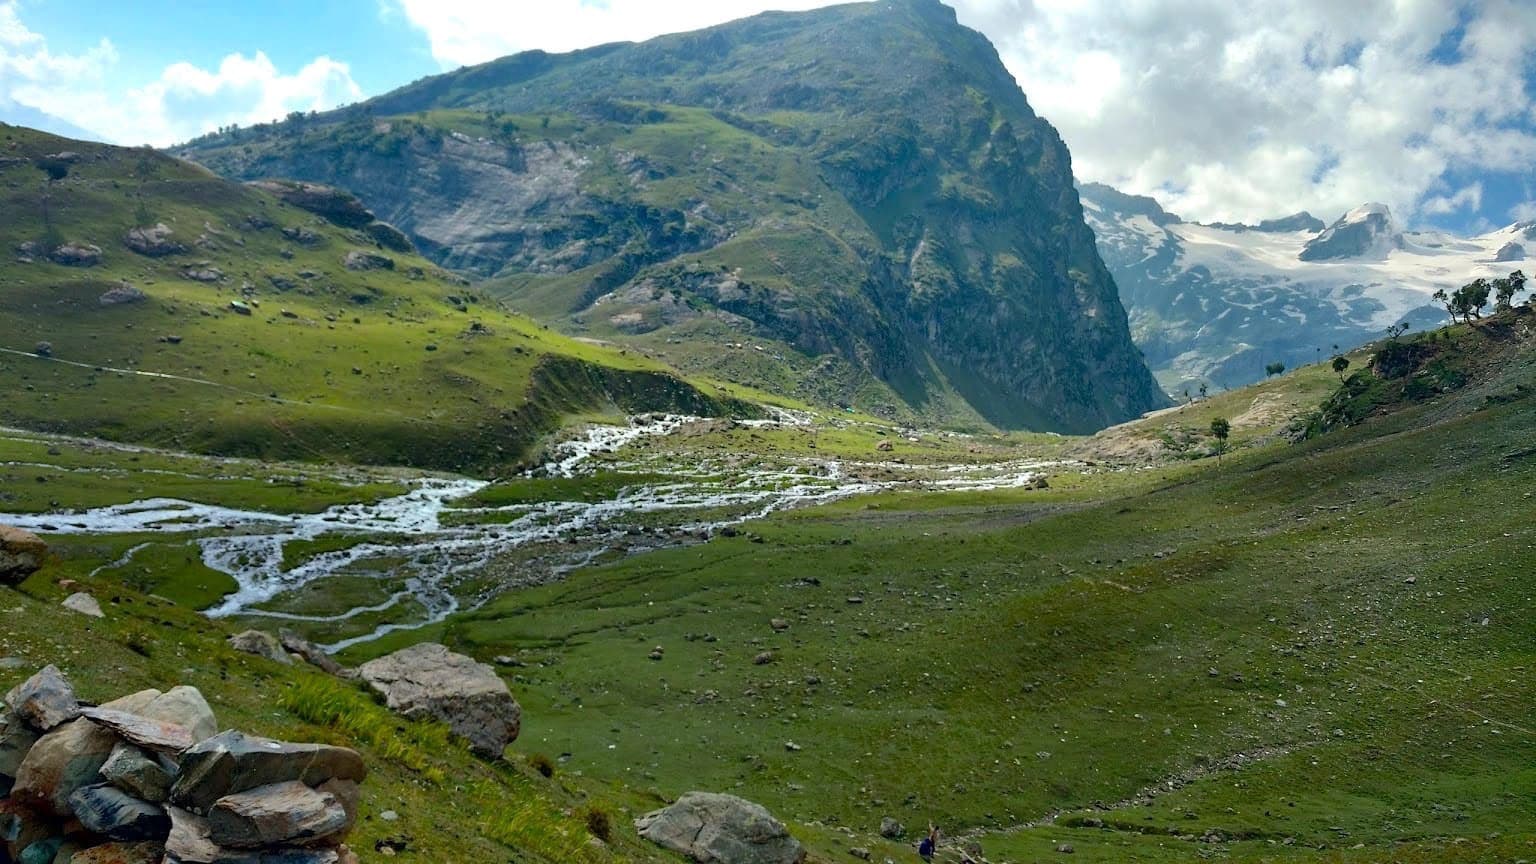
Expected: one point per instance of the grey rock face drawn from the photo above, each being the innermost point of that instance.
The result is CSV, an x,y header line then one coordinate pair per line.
x,y
1366,231
21,554
45,700
233,762
1510,251
113,813
721,829
428,681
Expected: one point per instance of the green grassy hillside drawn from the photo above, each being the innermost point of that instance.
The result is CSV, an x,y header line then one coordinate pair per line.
x,y
1309,652
254,338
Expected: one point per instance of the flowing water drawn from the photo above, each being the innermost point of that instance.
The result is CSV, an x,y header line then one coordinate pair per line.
x,y
439,549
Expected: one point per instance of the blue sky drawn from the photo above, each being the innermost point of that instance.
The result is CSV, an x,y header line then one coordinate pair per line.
x,y
1223,111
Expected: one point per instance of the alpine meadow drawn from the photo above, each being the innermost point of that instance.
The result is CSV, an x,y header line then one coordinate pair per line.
x,y
765,443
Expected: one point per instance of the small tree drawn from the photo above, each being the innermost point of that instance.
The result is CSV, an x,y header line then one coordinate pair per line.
x,y
1397,330
1204,388
1469,300
1340,363
1505,289
1221,429
1274,369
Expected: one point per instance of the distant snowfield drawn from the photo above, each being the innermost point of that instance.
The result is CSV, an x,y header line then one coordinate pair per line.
x,y
1219,302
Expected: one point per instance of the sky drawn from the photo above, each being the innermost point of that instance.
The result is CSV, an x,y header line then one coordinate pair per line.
x,y
1222,111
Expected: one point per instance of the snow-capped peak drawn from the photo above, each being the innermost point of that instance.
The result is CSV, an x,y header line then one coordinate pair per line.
x,y
1366,231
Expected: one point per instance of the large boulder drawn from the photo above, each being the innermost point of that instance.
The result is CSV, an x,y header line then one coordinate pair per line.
x,y
69,758
428,681
113,813
45,700
76,255
122,294
283,813
21,554
721,829
233,762
360,260
262,644
153,240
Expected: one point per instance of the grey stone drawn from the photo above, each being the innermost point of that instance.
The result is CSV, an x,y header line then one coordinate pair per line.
x,y
76,255
721,829
45,700
890,829
262,644
121,853
122,293
283,813
233,762
16,738
21,554
190,843
146,732
428,681
154,241
83,603
133,771
313,654
111,812
186,707
360,260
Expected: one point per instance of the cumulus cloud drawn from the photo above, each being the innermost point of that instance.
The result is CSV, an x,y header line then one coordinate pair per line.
x,y
465,32
184,101
1239,111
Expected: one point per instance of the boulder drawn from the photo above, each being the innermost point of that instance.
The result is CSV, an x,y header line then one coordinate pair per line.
x,y
240,307
190,843
890,829
154,241
113,813
16,738
83,603
233,762
45,700
146,732
283,813
262,644
389,237
721,828
313,654
21,554
360,260
428,681
70,757
76,255
133,771
122,293
184,706
121,853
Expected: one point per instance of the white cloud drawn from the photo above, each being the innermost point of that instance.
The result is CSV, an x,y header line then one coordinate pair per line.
x,y
183,102
465,32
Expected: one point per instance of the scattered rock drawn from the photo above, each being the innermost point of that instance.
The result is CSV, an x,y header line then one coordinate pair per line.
x,y
76,255
890,829
779,625
860,853
721,829
122,294
154,241
429,681
360,260
45,700
313,654
146,732
1065,848
302,236
83,603
233,762
203,273
283,813
262,644
239,307
133,771
113,813
43,349
21,554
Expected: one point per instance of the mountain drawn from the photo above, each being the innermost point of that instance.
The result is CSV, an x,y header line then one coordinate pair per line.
x,y
772,201
143,299
1217,303
18,114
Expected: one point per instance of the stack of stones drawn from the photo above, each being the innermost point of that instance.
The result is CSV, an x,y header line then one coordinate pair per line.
x,y
145,780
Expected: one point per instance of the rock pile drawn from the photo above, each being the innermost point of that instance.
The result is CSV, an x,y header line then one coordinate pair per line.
x,y
145,779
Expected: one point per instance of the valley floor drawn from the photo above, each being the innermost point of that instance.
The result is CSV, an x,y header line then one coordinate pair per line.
x,y
1314,651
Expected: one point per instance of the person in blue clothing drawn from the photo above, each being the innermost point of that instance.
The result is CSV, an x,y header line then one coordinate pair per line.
x,y
930,843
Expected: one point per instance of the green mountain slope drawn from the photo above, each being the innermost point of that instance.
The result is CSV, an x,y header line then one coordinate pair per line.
x,y
256,327
854,205
1310,652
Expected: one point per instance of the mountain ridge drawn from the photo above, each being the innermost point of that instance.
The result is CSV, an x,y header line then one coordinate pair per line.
x,y
773,185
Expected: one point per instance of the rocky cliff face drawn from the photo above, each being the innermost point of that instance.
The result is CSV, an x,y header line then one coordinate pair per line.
x,y
855,205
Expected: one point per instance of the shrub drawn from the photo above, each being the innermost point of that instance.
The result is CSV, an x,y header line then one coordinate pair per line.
x,y
542,764
599,823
